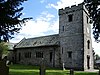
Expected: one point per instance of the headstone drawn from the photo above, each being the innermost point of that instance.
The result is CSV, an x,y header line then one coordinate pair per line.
x,y
63,66
4,70
42,68
71,72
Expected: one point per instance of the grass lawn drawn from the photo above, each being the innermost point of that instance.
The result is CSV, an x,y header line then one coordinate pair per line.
x,y
33,70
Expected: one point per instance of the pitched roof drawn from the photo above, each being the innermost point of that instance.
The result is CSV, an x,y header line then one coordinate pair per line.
x,y
39,41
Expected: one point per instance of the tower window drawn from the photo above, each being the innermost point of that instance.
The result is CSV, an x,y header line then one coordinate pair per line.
x,y
88,44
62,50
87,19
70,17
70,54
62,28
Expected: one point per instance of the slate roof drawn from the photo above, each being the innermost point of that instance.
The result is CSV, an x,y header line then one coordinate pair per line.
x,y
39,41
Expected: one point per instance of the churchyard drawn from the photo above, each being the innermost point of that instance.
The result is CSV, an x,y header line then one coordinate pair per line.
x,y
35,70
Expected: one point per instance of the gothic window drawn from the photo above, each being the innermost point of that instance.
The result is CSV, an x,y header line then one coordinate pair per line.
x,y
28,55
88,61
70,17
69,54
88,44
39,54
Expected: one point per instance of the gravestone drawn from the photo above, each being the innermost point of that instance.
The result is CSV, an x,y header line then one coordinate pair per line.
x,y
71,72
42,68
4,70
63,66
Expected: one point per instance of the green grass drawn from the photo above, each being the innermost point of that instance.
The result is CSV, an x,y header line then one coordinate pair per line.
x,y
34,70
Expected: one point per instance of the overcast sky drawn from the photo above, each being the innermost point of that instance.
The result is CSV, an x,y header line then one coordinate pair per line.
x,y
45,19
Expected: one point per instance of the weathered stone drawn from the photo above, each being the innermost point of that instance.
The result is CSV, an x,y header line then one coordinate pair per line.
x,y
71,72
74,36
42,68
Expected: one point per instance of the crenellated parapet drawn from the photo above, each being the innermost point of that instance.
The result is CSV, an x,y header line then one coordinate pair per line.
x,y
73,8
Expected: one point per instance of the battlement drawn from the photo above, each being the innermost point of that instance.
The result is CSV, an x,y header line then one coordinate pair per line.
x,y
71,9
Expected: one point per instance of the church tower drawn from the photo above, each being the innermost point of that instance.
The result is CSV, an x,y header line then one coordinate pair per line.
x,y
75,38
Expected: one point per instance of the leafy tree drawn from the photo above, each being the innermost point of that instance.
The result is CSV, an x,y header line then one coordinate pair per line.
x,y
10,21
97,57
94,10
3,48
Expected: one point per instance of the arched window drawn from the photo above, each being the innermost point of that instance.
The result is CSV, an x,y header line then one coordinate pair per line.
x,y
88,44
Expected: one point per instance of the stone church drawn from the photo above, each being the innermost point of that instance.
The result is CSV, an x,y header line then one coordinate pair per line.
x,y
71,48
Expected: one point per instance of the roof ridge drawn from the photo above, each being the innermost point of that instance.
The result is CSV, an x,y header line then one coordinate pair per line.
x,y
42,36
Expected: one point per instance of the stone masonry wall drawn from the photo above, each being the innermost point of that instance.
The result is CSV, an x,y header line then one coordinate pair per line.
x,y
71,38
37,61
87,37
74,36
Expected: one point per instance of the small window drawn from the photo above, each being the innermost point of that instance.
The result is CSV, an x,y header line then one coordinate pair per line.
x,y
70,54
88,44
70,17
87,19
39,54
19,55
50,56
28,55
62,28
62,50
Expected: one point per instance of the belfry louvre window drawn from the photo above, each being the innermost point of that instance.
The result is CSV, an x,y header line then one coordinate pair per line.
x,y
39,54
70,18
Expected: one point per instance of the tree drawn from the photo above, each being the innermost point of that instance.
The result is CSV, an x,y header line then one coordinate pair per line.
x,y
3,48
97,57
10,22
94,10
